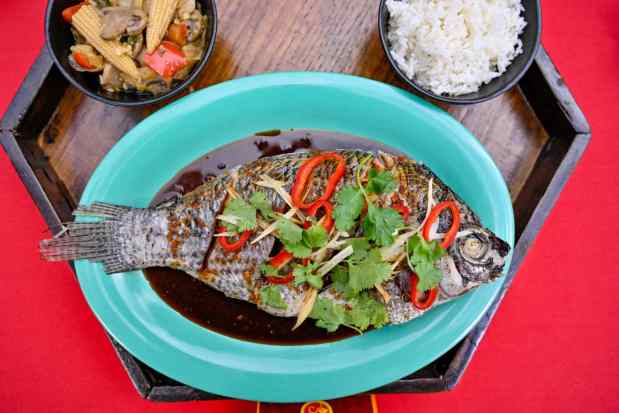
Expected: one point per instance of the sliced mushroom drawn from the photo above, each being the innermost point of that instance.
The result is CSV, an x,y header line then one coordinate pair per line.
x,y
110,78
119,20
137,22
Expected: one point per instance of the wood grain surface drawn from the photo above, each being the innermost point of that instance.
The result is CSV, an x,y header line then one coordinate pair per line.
x,y
288,35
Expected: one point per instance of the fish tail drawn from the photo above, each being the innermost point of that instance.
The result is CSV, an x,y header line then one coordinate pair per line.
x,y
110,241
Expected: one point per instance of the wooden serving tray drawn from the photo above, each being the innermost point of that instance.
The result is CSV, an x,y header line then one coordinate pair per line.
x,y
56,136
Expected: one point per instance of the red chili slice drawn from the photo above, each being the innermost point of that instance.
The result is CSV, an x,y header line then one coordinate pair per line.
x,y
232,246
403,210
416,300
455,222
327,222
305,172
282,258
280,280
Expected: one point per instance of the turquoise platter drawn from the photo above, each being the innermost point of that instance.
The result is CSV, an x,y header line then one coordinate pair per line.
x,y
165,142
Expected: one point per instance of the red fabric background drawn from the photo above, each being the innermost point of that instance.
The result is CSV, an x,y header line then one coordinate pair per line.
x,y
552,346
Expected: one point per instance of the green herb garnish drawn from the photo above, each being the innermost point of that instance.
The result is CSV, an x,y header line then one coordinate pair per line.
x,y
315,236
259,201
306,274
365,311
243,212
381,182
271,295
288,231
349,204
269,270
422,256
368,272
381,223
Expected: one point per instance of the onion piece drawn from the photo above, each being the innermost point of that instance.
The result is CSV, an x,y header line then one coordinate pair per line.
x,y
273,226
391,251
306,306
333,244
277,186
335,260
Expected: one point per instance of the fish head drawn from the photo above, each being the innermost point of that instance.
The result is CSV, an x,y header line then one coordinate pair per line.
x,y
478,255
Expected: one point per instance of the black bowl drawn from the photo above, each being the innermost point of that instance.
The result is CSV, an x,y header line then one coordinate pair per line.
x,y
530,43
59,39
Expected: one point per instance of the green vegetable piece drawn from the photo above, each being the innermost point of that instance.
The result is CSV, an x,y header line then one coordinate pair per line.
x,y
305,274
328,314
422,257
259,201
349,203
271,295
288,231
360,247
269,270
381,182
368,272
339,276
299,249
315,236
381,223
244,212
366,311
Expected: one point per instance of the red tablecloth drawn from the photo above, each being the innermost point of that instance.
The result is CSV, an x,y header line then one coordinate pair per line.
x,y
553,345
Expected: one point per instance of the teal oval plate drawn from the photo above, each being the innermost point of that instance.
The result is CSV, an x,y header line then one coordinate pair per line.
x,y
156,149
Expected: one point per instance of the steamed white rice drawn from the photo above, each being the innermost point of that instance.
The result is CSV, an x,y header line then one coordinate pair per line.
x,y
452,47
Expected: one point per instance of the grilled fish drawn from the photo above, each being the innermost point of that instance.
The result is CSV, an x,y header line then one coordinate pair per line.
x,y
181,234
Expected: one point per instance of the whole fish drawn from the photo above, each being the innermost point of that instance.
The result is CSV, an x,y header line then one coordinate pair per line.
x,y
181,234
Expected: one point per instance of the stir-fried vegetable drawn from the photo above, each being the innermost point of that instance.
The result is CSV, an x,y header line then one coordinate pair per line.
x,y
69,12
116,29
166,60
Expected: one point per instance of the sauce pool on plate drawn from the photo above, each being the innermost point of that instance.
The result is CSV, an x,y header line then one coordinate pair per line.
x,y
210,308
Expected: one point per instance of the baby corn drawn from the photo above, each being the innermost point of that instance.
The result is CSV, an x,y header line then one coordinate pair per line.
x,y
159,18
88,23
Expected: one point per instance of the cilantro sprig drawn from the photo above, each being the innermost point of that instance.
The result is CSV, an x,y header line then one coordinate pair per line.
x,y
244,214
379,224
422,256
259,201
271,295
298,241
363,312
305,273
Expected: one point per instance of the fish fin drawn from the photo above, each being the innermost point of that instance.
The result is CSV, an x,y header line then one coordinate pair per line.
x,y
101,209
94,241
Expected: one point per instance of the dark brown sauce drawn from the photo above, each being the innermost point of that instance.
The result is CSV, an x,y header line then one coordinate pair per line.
x,y
212,309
